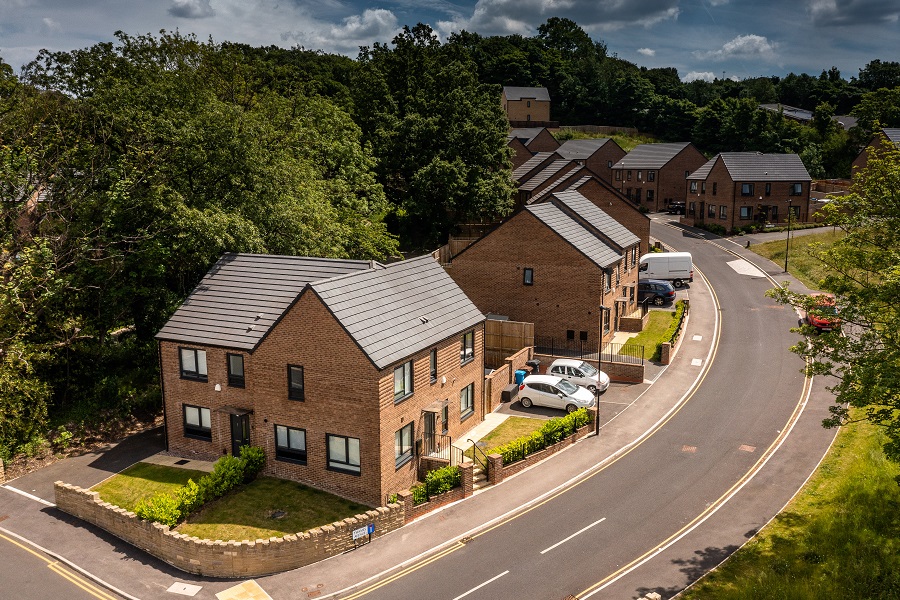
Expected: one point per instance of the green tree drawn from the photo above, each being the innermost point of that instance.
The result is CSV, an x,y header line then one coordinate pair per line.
x,y
878,109
865,278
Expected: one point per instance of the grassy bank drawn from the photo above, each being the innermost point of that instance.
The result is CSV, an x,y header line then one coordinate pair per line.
x,y
801,263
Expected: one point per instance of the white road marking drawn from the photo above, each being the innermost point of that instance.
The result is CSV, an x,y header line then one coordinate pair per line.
x,y
580,531
697,338
478,587
184,589
27,495
696,362
743,267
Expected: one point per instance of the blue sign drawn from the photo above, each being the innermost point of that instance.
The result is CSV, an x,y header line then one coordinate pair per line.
x,y
371,528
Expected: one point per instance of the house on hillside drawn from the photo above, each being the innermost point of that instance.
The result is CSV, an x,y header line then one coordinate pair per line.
x,y
526,105
652,175
881,140
339,369
597,154
564,265
735,189
801,115
535,139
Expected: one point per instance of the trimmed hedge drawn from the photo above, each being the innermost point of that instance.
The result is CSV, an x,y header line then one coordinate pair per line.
x,y
669,334
550,433
436,482
228,473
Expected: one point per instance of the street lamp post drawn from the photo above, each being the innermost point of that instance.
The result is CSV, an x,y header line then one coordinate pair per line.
x,y
787,244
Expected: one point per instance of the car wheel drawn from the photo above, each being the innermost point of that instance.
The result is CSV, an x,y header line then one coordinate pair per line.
x,y
678,283
592,389
659,300
526,402
570,408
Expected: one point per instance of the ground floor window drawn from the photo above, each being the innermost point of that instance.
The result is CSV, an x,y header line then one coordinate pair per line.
x,y
746,212
403,445
343,454
711,211
290,444
467,401
723,212
197,423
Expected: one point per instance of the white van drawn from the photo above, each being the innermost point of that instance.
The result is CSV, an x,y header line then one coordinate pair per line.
x,y
677,267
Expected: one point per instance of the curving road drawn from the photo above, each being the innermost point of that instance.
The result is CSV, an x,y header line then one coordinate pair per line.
x,y
663,513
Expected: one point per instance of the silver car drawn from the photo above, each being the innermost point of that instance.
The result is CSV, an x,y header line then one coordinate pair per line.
x,y
555,392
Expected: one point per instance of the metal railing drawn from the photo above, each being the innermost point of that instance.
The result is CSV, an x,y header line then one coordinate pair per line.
x,y
482,460
565,348
631,354
441,446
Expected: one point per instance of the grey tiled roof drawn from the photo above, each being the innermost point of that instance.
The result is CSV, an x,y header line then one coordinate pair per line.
x,y
651,156
580,149
755,166
793,112
244,295
399,310
703,172
576,234
525,134
892,134
564,182
531,164
530,93
544,174
599,220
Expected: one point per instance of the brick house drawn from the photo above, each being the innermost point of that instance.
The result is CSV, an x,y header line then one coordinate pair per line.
x,y
734,189
652,175
597,154
520,153
881,141
540,179
564,265
339,369
526,104
535,139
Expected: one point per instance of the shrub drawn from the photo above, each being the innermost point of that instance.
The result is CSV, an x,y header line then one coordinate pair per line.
x,y
420,496
189,498
551,432
227,473
669,334
442,480
160,508
254,460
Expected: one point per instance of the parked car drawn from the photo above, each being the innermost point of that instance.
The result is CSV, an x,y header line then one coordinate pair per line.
x,y
660,292
580,373
676,207
555,392
823,315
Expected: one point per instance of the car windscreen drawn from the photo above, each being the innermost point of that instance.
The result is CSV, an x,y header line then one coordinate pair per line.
x,y
589,369
568,388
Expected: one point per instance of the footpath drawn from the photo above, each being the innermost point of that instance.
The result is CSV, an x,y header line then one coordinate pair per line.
x,y
628,414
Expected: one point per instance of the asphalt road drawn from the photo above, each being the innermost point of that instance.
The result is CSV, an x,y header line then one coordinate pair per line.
x,y
627,529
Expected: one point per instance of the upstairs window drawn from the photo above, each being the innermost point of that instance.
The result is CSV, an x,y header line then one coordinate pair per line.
x,y
651,175
403,381
746,189
193,363
618,175
693,187
296,389
432,365
796,189
715,185
236,370
467,348
628,175
528,276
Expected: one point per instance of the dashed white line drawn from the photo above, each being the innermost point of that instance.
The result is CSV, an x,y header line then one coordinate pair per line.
x,y
580,531
478,587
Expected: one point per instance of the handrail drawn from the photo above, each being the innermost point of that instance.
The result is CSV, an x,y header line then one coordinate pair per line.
x,y
483,463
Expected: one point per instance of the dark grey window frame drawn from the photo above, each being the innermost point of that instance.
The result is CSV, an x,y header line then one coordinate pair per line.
x,y
433,365
528,276
406,454
286,453
467,347
342,467
406,393
296,392
746,189
192,375
197,432
234,380
469,409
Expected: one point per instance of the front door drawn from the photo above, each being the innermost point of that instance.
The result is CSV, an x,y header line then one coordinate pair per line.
x,y
240,433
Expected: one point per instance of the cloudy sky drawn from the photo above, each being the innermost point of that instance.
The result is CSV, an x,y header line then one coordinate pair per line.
x,y
701,38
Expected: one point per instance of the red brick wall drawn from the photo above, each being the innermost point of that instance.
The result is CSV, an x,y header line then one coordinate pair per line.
x,y
669,180
521,154
615,205
598,161
543,142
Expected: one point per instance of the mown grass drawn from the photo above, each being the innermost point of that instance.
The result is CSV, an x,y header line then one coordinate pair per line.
x,y
625,141
507,431
651,338
143,480
254,511
801,263
839,538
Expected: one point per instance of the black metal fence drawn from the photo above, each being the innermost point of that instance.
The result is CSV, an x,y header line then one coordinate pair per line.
x,y
631,354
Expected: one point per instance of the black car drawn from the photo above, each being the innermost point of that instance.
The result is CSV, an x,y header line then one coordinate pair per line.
x,y
658,291
676,207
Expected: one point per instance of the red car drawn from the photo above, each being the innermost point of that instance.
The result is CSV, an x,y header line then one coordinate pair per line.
x,y
823,315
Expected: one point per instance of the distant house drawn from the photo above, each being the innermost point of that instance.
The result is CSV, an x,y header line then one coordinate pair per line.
x,y
881,141
339,369
526,104
735,189
804,116
535,139
652,175
564,265
597,154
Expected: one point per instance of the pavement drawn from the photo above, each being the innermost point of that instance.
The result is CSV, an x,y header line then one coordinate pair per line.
x,y
629,413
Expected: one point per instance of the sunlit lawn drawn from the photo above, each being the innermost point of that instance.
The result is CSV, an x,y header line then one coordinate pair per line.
x,y
143,480
651,337
801,263
507,431
268,507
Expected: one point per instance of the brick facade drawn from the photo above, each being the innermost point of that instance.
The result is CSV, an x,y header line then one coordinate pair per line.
x,y
345,395
542,142
668,179
610,201
520,154
527,109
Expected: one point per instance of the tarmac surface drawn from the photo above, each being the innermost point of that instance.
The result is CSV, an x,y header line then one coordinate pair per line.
x,y
628,413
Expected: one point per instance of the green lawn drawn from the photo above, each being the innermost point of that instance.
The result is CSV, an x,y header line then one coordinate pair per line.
x,y
839,538
507,431
268,507
651,337
801,263
143,480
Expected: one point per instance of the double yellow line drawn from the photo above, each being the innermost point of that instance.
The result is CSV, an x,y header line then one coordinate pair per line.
x,y
60,570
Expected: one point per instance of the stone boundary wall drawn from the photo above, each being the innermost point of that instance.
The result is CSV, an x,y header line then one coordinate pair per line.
x,y
497,471
230,559
634,324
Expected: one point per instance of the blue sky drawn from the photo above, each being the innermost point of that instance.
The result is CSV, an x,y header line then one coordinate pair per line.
x,y
701,38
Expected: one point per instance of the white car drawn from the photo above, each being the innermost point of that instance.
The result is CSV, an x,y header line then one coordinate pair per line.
x,y
580,373
555,392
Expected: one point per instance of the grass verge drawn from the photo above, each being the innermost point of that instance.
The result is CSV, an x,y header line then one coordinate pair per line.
x,y
651,338
507,431
268,507
802,264
839,538
143,480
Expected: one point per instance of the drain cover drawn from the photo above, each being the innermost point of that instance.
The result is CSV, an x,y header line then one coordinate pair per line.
x,y
277,514
183,461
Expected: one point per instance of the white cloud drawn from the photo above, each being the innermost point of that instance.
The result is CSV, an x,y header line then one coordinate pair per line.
x,y
191,9
717,2
52,25
743,46
853,12
355,31
646,51
695,75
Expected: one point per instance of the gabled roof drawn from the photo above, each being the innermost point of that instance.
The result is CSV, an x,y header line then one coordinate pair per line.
x,y
598,219
529,165
756,166
793,112
892,134
650,156
564,182
576,234
396,311
581,149
526,93
390,311
525,134
544,174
